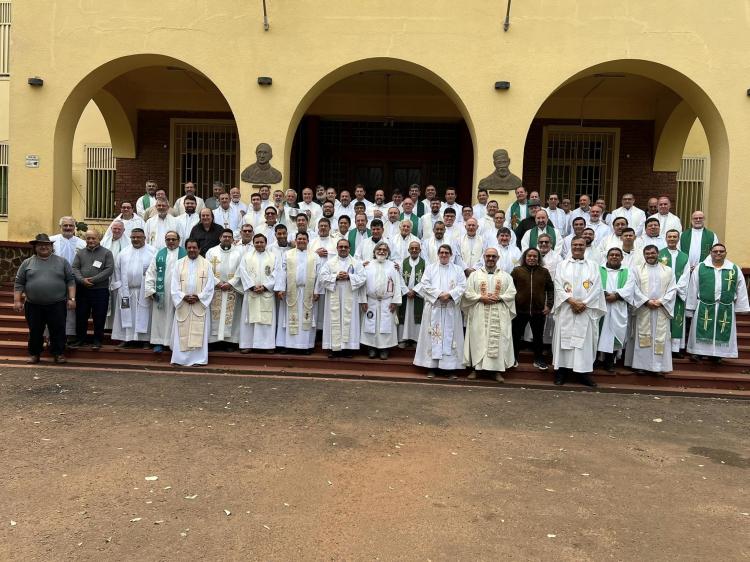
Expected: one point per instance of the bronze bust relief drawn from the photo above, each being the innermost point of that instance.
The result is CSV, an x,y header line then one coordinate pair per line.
x,y
502,179
262,172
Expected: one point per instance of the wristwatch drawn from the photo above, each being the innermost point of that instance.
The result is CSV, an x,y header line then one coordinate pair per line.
x,y
71,298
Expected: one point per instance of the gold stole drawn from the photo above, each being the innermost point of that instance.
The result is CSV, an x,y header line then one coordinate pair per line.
x,y
663,331
491,313
191,318
260,307
339,330
216,315
291,292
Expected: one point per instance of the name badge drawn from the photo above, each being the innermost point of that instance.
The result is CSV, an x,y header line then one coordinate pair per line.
x,y
97,264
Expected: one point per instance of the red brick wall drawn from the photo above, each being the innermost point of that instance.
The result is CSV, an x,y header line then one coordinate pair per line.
x,y
635,169
152,153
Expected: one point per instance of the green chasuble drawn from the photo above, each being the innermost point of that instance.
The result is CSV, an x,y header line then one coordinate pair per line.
x,y
414,223
707,240
665,257
534,233
352,237
418,301
515,214
146,201
714,319
622,278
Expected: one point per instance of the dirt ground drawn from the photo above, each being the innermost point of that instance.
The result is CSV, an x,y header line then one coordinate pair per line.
x,y
304,469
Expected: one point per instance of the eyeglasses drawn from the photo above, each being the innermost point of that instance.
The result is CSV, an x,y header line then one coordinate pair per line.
x,y
543,242
172,239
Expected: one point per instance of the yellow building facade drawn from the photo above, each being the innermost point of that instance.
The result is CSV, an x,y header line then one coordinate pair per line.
x,y
600,98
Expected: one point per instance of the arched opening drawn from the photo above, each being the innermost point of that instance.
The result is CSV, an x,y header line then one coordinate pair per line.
x,y
622,126
385,124
165,121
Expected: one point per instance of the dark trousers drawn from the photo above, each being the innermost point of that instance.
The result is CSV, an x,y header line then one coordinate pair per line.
x,y
50,316
537,333
91,302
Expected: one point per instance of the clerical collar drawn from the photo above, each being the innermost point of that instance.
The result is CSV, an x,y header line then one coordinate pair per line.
x,y
376,240
413,261
491,272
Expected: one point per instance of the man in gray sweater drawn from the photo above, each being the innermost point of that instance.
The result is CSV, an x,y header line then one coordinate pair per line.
x,y
92,268
48,283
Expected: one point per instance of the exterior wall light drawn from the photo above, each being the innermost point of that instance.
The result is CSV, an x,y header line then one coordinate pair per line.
x,y
503,85
265,80
36,81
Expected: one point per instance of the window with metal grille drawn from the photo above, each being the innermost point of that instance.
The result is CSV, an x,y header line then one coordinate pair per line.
x,y
203,151
580,161
100,182
3,179
690,186
4,38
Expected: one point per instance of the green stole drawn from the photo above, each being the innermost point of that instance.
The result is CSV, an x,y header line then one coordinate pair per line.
x,y
622,277
678,320
419,209
352,237
715,318
146,201
707,240
414,223
418,301
534,233
161,268
515,214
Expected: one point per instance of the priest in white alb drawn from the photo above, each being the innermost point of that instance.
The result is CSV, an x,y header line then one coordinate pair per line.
x,y
412,303
341,279
116,242
382,292
257,272
651,346
579,304
132,320
227,301
489,304
158,225
295,287
192,290
619,292
158,286
441,338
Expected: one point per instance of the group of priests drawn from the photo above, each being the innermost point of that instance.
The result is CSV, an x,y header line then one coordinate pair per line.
x,y
281,274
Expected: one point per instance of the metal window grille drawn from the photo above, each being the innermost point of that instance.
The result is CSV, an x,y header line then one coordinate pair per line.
x,y
4,38
100,182
4,179
690,186
580,161
204,152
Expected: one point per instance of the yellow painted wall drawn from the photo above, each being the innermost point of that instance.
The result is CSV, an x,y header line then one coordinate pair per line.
x,y
698,51
697,143
91,129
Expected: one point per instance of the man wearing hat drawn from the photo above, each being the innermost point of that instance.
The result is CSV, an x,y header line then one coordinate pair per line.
x,y
49,285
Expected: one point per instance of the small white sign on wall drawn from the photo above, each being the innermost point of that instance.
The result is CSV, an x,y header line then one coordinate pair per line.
x,y
32,161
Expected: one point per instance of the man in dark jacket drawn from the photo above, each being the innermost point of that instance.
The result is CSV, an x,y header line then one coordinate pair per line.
x,y
92,267
535,295
206,232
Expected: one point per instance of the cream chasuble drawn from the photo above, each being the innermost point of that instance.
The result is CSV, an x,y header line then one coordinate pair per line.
x,y
225,304
132,308
341,323
192,323
258,323
489,338
382,288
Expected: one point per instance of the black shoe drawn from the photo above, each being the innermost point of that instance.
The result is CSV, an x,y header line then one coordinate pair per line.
x,y
97,345
33,359
587,380
372,353
383,354
60,359
559,378
123,345
76,344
